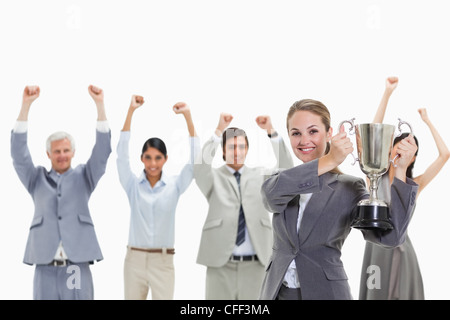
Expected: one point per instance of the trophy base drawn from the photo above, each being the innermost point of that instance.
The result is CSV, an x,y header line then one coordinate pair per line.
x,y
373,217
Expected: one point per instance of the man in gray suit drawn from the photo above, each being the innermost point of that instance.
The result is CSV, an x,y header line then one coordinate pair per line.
x,y
237,235
62,242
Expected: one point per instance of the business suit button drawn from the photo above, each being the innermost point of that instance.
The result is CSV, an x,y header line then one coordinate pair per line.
x,y
59,217
413,198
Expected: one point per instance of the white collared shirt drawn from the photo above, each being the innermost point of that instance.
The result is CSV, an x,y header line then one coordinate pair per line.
x,y
291,278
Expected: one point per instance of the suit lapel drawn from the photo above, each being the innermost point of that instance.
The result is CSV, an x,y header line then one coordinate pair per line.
x,y
315,207
245,177
50,180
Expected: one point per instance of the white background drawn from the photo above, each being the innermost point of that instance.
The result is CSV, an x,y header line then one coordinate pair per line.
x,y
245,57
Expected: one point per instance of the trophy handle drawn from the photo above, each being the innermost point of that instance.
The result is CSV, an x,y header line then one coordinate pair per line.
x,y
393,160
352,128
400,123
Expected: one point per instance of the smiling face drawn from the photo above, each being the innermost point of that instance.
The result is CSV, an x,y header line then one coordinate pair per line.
x,y
153,161
61,155
308,135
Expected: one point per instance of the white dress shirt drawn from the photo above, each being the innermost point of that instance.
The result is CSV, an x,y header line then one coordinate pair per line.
x,y
291,278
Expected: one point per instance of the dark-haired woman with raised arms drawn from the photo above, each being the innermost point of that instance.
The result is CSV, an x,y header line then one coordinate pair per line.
x,y
394,273
153,197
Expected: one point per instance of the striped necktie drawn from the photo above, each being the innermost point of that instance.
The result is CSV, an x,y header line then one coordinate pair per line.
x,y
241,224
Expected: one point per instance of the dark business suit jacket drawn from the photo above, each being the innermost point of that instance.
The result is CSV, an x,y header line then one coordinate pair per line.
x,y
61,208
325,225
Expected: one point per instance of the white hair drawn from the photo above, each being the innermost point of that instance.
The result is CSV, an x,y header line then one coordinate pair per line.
x,y
60,135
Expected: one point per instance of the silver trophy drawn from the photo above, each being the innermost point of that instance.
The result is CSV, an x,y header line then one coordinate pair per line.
x,y
374,142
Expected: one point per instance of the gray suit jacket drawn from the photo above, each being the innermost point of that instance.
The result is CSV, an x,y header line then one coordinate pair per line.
x,y
220,188
325,225
61,208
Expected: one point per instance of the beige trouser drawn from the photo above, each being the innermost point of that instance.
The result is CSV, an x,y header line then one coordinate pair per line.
x,y
144,271
236,280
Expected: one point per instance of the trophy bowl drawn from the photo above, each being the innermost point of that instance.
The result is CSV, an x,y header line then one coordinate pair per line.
x,y
374,142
